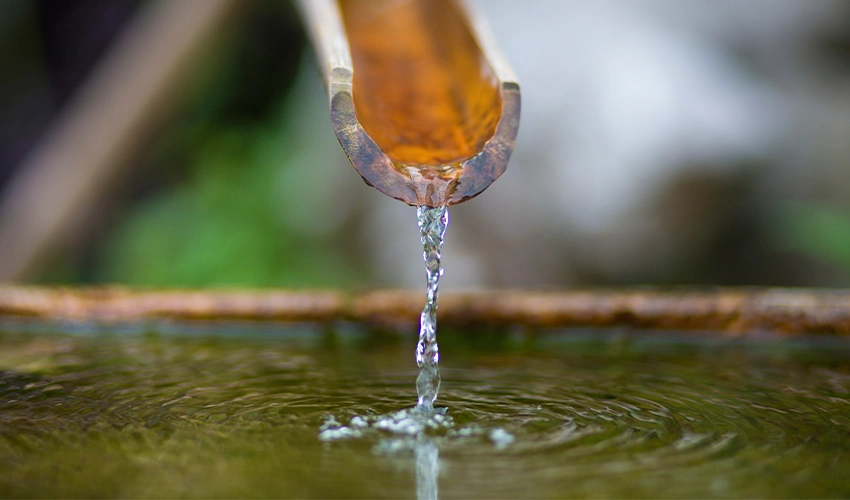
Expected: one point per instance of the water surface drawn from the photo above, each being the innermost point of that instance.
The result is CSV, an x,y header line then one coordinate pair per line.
x,y
238,412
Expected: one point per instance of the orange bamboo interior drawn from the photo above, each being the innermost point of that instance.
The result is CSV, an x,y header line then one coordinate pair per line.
x,y
422,89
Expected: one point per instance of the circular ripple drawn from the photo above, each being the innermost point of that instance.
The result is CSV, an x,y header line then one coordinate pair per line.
x,y
149,416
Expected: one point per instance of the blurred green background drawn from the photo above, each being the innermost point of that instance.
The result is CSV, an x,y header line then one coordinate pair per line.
x,y
210,200
239,184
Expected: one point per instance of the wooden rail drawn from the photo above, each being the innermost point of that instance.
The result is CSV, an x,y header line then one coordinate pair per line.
x,y
735,312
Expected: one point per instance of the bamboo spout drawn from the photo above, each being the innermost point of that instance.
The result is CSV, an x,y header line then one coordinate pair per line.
x,y
422,102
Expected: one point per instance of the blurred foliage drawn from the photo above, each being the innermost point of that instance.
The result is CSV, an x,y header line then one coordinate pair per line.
x,y
217,218
816,231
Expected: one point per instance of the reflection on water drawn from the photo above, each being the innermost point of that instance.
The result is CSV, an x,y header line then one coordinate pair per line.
x,y
427,469
548,416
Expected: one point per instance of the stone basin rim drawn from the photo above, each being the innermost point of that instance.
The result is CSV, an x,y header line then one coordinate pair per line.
x,y
730,312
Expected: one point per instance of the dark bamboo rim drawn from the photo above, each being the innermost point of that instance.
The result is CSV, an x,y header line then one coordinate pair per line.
x,y
732,312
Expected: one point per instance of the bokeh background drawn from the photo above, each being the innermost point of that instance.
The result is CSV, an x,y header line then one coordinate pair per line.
x,y
662,142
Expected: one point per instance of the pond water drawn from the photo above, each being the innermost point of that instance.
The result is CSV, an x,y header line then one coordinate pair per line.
x,y
276,411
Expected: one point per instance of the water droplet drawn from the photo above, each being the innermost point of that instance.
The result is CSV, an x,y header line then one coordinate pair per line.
x,y
501,438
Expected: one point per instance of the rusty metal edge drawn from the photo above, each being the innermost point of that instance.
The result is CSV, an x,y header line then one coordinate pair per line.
x,y
728,311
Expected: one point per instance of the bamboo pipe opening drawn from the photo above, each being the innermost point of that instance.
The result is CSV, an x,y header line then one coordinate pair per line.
x,y
421,99
422,88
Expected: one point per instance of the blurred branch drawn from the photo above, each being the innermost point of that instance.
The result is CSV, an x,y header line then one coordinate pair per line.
x,y
101,128
735,312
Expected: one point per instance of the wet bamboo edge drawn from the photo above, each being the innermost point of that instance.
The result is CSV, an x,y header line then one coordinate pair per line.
x,y
731,311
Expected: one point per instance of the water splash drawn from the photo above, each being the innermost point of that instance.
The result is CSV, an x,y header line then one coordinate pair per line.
x,y
432,228
405,431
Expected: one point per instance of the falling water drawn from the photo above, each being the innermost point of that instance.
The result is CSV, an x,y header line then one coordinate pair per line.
x,y
432,228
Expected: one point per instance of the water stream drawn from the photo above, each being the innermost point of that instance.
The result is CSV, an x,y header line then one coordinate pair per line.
x,y
432,229
414,429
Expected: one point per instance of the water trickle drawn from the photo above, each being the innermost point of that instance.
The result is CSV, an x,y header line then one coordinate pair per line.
x,y
432,228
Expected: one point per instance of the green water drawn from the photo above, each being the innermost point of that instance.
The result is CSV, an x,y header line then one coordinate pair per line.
x,y
228,411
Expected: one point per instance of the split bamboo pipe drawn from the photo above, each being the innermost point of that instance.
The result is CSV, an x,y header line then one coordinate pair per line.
x,y
421,100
